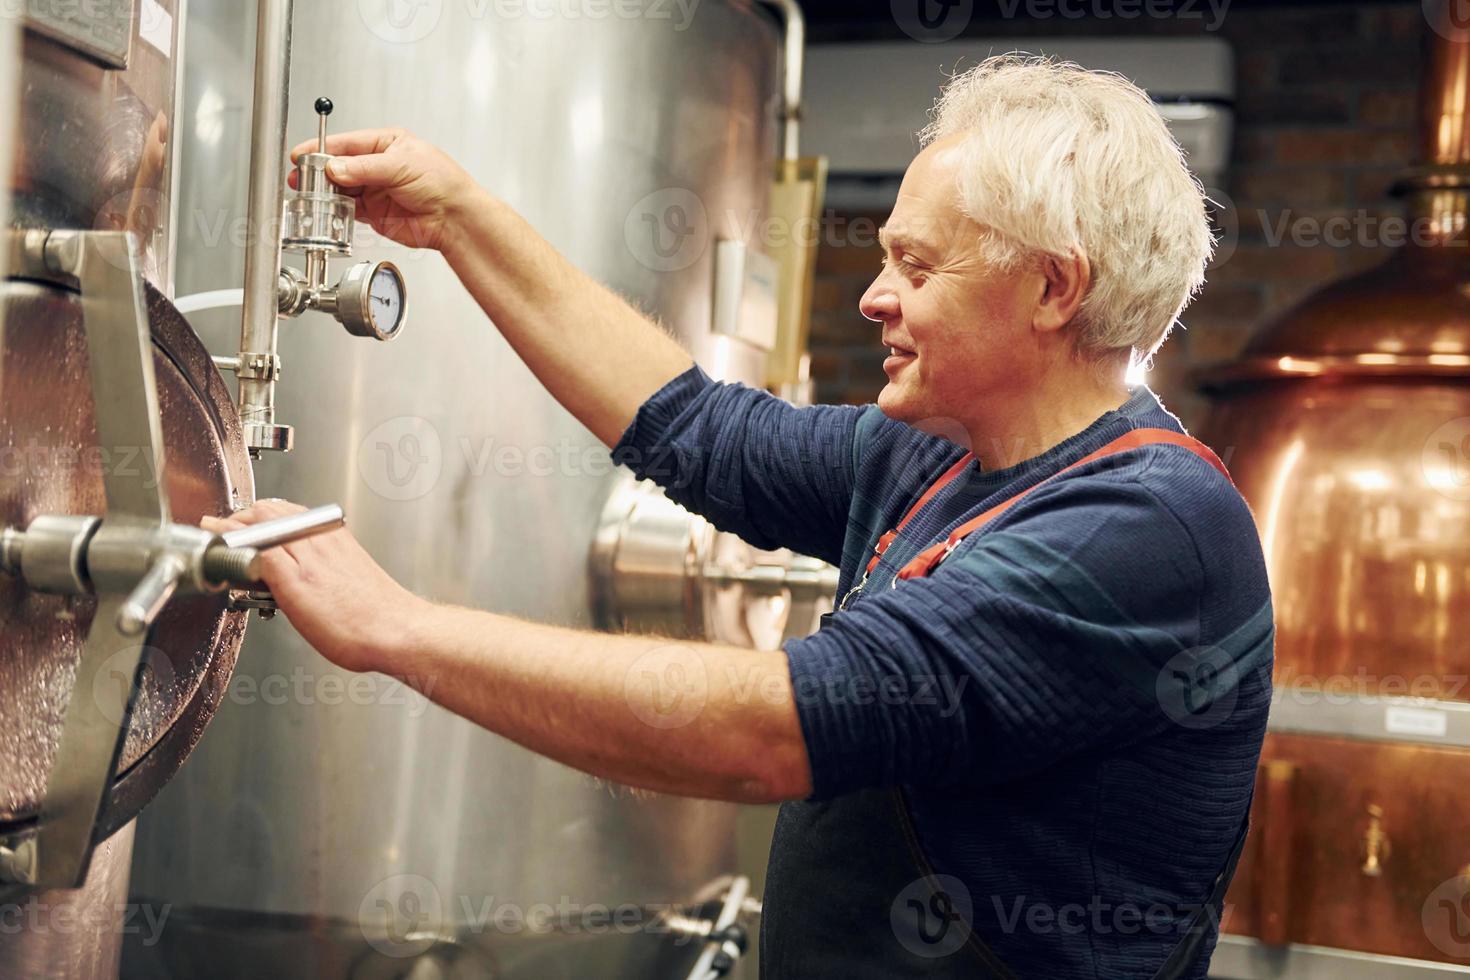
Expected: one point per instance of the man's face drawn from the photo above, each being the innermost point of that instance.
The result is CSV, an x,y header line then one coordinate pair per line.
x,y
959,329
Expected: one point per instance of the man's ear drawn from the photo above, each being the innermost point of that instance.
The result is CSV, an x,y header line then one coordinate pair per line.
x,y
1065,281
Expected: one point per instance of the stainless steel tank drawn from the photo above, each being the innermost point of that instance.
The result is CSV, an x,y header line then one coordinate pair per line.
x,y
334,827
86,116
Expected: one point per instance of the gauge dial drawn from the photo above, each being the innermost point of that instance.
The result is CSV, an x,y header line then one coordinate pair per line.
x,y
372,301
386,299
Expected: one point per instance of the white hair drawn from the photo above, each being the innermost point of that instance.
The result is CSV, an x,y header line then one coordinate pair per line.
x,y
1061,161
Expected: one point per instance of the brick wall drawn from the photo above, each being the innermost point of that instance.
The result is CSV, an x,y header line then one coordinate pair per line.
x,y
1325,118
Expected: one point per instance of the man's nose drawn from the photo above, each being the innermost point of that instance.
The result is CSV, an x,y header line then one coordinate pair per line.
x,y
880,302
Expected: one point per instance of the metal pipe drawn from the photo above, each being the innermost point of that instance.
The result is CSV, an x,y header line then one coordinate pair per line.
x,y
793,26
284,530
259,313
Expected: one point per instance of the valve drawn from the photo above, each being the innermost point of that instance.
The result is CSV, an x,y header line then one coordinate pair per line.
x,y
149,565
318,221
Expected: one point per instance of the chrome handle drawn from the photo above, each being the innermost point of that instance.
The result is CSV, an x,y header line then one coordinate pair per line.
x,y
284,530
151,594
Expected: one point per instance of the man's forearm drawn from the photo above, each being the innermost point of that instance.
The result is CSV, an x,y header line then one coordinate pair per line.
x,y
597,355
688,718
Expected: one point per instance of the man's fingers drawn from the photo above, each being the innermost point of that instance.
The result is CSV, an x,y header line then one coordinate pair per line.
x,y
266,510
375,170
220,525
355,143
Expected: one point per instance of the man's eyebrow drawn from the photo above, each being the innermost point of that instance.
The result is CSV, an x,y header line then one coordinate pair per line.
x,y
895,239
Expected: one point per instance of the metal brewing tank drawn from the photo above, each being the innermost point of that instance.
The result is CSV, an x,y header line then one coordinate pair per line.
x,y
1348,425
330,827
87,104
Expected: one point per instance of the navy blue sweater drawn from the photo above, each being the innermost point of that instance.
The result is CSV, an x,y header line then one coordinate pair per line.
x,y
1074,702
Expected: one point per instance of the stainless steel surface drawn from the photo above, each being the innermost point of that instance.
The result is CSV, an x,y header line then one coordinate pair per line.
x,y
120,355
1241,958
658,569
1380,718
347,800
92,146
75,934
87,149
54,465
111,557
258,318
10,102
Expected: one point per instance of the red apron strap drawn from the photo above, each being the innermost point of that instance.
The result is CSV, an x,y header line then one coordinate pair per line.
x,y
945,480
927,560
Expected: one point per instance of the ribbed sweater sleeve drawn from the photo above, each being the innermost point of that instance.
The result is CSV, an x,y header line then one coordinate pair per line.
x,y
751,463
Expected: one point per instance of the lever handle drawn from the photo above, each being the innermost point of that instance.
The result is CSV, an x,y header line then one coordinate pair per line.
x,y
150,595
284,530
233,563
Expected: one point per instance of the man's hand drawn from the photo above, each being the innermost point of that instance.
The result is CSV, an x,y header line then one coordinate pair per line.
x,y
337,597
581,698
408,190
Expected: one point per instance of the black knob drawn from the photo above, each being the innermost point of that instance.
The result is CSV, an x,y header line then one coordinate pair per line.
x,y
324,106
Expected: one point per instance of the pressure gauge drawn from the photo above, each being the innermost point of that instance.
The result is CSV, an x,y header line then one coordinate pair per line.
x,y
372,300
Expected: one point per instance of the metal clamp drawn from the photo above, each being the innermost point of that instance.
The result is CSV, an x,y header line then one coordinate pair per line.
x,y
725,939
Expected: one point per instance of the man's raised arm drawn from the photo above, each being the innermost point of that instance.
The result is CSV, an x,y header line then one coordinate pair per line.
x,y
597,355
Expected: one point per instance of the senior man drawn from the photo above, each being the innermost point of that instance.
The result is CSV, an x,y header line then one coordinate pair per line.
x,y
1012,520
